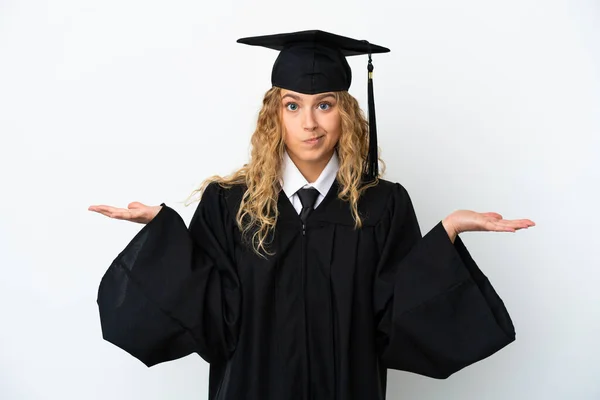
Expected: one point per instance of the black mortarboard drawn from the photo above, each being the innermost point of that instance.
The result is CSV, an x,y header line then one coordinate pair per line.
x,y
312,62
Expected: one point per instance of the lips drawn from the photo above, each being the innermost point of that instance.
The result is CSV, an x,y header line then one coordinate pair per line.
x,y
314,139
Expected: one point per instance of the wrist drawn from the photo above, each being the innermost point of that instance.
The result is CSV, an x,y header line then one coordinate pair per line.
x,y
450,227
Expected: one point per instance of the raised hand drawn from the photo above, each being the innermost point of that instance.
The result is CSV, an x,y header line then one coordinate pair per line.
x,y
135,212
467,221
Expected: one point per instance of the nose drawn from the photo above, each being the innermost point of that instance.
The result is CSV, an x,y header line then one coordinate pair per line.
x,y
310,122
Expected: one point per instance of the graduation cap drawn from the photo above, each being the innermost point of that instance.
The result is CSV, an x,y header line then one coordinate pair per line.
x,y
314,61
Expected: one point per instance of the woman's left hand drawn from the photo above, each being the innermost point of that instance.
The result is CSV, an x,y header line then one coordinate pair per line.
x,y
469,221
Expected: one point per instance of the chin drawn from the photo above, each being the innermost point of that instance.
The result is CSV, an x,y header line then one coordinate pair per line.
x,y
313,156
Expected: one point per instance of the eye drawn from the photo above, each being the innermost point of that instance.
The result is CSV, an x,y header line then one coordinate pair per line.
x,y
325,106
291,106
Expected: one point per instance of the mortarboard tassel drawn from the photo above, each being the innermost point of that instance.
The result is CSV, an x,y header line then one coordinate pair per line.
x,y
372,157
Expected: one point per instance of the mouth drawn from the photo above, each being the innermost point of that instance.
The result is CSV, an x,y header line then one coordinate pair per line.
x,y
313,140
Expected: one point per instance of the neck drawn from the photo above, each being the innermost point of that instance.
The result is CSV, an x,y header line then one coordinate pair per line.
x,y
311,170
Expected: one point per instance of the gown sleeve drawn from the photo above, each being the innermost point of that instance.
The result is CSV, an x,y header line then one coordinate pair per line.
x,y
436,312
173,291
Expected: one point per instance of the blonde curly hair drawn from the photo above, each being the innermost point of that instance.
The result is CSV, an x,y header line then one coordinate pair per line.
x,y
257,214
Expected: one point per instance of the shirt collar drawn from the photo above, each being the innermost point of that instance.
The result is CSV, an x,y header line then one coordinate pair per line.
x,y
293,180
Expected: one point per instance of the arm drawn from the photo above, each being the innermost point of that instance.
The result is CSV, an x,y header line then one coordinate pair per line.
x,y
436,312
173,290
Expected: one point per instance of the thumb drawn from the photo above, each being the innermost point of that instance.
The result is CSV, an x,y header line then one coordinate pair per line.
x,y
136,204
493,215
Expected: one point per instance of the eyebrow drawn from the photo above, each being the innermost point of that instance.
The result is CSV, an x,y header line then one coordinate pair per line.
x,y
295,97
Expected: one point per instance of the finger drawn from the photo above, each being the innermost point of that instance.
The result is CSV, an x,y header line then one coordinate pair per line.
x,y
524,223
516,225
102,208
113,212
500,226
122,213
493,215
96,207
521,221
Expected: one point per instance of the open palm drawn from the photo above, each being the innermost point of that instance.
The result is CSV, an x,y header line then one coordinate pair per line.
x,y
135,212
467,221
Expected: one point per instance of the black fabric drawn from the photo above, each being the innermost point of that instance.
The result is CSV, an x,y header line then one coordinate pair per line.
x,y
312,61
307,198
323,319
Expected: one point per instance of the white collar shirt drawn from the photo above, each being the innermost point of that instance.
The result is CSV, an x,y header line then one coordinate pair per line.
x,y
292,180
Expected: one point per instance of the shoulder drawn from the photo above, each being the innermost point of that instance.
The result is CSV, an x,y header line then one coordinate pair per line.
x,y
384,192
382,200
219,195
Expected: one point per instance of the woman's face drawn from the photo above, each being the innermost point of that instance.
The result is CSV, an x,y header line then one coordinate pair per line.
x,y
312,126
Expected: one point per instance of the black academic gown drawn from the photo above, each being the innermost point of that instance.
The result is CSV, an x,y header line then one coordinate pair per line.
x,y
321,320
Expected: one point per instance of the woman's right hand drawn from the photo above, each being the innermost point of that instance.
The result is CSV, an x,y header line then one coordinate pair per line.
x,y
135,212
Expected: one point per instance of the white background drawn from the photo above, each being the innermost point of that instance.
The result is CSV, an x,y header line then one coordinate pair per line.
x,y
481,105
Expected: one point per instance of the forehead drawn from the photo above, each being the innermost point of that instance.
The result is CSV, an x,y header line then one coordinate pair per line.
x,y
302,96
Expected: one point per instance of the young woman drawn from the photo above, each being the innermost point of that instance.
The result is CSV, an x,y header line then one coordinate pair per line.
x,y
304,275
